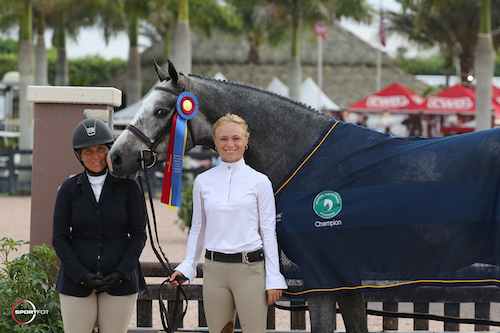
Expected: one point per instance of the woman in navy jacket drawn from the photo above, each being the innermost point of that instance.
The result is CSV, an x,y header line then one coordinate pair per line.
x,y
99,234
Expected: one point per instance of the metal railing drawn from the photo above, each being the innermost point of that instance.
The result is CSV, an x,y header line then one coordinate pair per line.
x,y
10,165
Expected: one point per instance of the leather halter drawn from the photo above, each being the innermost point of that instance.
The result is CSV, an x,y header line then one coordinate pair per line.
x,y
152,144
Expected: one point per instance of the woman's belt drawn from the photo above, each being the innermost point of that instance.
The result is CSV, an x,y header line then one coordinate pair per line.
x,y
243,257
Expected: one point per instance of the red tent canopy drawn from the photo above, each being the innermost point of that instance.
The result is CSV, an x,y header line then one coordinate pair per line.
x,y
456,100
395,97
496,94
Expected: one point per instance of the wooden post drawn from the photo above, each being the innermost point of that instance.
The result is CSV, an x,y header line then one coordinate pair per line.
x,y
451,310
57,112
482,310
421,324
390,323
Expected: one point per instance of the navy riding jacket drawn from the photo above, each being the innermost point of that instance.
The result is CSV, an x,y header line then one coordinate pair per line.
x,y
105,236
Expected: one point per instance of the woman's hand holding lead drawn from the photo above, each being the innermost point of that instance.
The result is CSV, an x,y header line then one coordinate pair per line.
x,y
175,278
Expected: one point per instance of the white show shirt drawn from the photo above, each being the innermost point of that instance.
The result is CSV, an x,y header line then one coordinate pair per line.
x,y
231,203
97,182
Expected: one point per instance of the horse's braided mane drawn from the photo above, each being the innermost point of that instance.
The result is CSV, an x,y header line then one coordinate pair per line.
x,y
261,90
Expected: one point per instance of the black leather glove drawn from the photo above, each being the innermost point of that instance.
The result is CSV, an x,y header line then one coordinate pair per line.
x,y
111,281
92,281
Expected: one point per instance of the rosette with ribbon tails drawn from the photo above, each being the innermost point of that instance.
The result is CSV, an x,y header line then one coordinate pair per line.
x,y
187,107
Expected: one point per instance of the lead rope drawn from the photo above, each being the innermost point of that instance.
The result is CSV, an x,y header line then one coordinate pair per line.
x,y
170,325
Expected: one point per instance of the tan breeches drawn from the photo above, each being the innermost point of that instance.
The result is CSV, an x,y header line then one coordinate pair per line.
x,y
231,287
110,313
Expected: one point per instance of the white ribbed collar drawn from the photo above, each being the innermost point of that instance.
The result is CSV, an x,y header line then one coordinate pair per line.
x,y
97,180
232,167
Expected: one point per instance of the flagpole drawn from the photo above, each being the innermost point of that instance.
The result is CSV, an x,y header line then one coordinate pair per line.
x,y
379,51
320,30
379,69
320,70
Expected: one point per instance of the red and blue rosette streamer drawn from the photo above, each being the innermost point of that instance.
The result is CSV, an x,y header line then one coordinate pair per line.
x,y
187,107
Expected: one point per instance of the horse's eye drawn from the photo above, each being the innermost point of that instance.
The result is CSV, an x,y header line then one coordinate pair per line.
x,y
161,112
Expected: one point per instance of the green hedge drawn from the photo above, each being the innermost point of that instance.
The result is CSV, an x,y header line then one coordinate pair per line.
x,y
88,71
431,66
29,277
8,62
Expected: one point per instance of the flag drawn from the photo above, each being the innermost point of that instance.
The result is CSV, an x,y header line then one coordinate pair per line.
x,y
382,28
320,29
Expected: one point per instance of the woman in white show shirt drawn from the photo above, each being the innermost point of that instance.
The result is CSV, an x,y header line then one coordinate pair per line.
x,y
234,218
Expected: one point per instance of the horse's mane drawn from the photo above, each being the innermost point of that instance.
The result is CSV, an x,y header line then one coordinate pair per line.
x,y
261,90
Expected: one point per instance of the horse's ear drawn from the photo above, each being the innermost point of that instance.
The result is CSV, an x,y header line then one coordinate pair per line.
x,y
173,73
162,74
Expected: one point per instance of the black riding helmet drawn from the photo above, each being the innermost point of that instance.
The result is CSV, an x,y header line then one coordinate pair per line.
x,y
91,132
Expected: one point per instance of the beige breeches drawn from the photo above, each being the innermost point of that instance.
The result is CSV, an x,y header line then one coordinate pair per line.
x,y
110,313
231,287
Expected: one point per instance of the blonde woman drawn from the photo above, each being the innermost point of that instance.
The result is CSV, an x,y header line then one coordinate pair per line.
x,y
234,219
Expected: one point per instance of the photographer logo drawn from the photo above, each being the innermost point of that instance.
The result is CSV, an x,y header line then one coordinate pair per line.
x,y
24,311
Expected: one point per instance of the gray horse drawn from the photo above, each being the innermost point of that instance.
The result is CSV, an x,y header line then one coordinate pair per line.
x,y
282,130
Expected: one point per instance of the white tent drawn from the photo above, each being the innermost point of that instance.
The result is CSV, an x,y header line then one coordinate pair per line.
x,y
278,87
311,94
220,76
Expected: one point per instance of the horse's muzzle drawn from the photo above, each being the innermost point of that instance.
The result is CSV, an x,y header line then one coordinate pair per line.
x,y
123,167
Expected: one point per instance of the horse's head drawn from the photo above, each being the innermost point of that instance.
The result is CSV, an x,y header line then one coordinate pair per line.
x,y
146,138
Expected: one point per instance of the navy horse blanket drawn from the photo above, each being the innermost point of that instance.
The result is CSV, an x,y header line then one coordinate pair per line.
x,y
366,210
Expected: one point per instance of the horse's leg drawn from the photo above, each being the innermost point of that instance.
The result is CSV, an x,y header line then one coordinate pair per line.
x,y
322,313
352,308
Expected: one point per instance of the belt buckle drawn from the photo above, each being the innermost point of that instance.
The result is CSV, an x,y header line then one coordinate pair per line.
x,y
245,258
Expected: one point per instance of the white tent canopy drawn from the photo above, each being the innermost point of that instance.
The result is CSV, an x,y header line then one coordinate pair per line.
x,y
278,87
310,94
315,97
220,76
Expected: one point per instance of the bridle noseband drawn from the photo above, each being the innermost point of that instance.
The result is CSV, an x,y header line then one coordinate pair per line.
x,y
149,154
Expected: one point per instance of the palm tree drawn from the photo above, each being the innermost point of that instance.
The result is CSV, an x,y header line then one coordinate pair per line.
x,y
204,15
299,12
484,69
125,15
181,52
134,11
459,21
26,66
67,18
427,36
41,67
466,26
260,21
162,17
